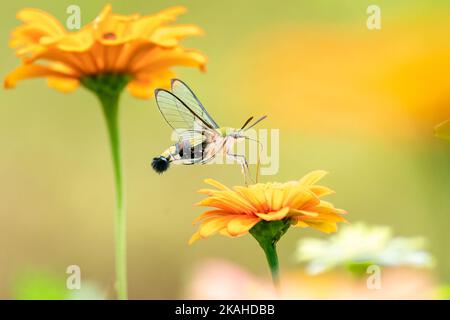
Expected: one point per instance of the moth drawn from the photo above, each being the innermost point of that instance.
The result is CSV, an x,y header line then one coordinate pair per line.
x,y
200,138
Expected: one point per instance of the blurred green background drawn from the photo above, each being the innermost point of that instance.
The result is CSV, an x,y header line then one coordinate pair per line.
x,y
360,104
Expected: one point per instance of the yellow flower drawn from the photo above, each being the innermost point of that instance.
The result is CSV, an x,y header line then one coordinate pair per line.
x,y
143,48
238,209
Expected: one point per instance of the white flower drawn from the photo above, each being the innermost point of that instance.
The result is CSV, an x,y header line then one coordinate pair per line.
x,y
360,244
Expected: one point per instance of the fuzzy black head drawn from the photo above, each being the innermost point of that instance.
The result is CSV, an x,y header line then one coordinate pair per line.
x,y
160,164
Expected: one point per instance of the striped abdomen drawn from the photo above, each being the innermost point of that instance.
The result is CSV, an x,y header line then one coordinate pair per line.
x,y
184,152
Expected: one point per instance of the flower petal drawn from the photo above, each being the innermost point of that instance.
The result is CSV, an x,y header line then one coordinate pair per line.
x,y
224,232
220,203
298,223
209,214
255,195
79,41
296,212
207,191
326,227
41,19
144,89
229,201
321,191
211,226
326,208
173,12
63,84
28,71
167,58
301,197
196,236
328,205
170,36
312,177
240,225
325,213
216,184
276,200
140,89
274,215
325,217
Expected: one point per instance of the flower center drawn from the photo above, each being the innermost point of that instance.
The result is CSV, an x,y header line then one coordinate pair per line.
x,y
109,36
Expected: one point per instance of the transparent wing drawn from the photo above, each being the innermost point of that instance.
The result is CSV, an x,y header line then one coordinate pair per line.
x,y
194,137
177,113
182,91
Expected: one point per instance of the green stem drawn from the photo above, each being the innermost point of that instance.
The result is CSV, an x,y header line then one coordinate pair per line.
x,y
268,233
272,259
108,88
110,104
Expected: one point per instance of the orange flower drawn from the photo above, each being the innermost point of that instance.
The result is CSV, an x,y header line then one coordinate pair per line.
x,y
240,208
143,48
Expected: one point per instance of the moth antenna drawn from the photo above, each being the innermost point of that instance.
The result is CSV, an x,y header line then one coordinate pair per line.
x,y
246,123
256,122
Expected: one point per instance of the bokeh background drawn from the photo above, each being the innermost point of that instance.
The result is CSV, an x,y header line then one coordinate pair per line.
x,y
360,104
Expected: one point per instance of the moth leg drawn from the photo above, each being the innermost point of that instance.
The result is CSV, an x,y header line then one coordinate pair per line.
x,y
244,166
